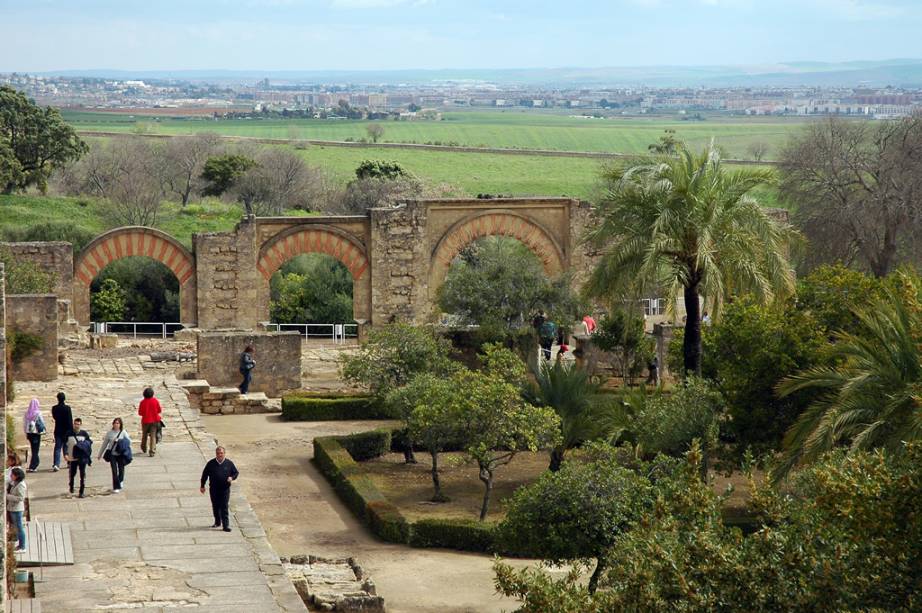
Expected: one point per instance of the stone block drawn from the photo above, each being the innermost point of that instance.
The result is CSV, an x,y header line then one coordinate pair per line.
x,y
103,341
35,316
195,386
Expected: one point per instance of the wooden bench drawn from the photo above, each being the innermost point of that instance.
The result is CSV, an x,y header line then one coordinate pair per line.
x,y
48,543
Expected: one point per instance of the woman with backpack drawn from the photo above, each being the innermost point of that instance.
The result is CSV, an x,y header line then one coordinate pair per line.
x,y
116,450
34,427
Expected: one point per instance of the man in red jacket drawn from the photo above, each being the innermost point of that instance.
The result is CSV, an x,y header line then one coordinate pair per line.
x,y
149,410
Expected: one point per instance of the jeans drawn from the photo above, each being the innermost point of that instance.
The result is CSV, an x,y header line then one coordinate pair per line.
x,y
247,379
76,465
59,440
35,441
118,471
220,497
149,430
546,345
16,517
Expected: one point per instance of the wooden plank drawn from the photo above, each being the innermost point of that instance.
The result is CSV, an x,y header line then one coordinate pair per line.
x,y
49,543
25,605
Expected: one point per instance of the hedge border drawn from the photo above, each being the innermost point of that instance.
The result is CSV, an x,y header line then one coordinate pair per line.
x,y
338,458
302,406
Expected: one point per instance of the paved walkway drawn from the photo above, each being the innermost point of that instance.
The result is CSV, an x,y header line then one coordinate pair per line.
x,y
150,546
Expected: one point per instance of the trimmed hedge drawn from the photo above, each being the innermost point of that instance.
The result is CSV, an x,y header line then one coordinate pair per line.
x,y
356,490
306,406
466,535
337,458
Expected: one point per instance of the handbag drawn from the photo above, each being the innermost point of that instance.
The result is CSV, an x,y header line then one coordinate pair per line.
x,y
107,455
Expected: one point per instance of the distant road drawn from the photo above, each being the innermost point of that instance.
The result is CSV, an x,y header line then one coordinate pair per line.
x,y
444,148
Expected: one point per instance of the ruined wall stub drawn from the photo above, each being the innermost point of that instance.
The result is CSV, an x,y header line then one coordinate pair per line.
x,y
277,355
35,315
56,258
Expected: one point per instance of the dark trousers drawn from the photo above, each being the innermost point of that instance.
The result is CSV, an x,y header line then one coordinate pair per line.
x,y
74,465
118,472
546,344
247,378
35,441
59,440
220,497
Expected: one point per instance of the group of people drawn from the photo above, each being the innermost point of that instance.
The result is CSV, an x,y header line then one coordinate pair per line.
x,y
549,332
76,446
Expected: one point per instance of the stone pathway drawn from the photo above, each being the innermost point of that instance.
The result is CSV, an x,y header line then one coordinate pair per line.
x,y
149,547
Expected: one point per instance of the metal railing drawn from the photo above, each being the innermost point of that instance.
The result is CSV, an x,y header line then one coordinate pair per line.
x,y
336,332
163,329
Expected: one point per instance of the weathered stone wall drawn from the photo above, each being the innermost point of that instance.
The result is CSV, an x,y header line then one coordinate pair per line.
x,y
56,258
583,256
2,341
277,355
35,314
399,264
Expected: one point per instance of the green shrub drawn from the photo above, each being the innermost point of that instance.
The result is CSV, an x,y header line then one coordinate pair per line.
x,y
462,534
301,407
355,489
22,345
366,445
386,521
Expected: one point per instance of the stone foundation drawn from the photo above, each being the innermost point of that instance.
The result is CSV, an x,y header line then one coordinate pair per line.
x,y
224,400
333,585
277,355
37,315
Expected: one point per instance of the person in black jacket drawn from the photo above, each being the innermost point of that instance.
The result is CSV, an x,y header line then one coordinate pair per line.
x,y
247,364
221,472
79,452
63,426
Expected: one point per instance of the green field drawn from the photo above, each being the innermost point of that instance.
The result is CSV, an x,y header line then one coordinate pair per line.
x,y
506,129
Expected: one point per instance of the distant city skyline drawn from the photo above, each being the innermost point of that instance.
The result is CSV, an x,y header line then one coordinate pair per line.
x,y
57,35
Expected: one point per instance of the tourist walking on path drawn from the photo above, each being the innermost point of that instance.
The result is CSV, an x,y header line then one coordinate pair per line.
x,y
34,427
149,410
546,335
63,426
220,473
116,450
247,364
16,493
79,452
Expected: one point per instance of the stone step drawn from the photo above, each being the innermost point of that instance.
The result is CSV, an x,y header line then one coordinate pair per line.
x,y
195,386
254,398
215,393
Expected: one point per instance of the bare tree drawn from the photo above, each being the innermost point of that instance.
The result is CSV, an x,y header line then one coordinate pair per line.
x,y
375,131
123,173
280,181
181,161
757,150
857,188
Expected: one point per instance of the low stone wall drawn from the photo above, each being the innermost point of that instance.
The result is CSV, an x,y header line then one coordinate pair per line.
x,y
277,355
224,400
35,314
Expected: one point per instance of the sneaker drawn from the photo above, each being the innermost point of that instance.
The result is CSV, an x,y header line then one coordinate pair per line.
x,y
55,468
227,529
116,491
31,470
20,550
215,525
81,495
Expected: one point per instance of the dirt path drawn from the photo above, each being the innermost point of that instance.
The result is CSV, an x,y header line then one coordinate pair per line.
x,y
302,515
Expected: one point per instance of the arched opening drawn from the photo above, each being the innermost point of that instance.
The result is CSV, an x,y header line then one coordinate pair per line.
x,y
313,293
135,289
139,244
325,243
499,284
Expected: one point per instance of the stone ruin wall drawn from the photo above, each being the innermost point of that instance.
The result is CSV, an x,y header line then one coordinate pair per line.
x,y
277,355
2,342
399,264
56,258
35,314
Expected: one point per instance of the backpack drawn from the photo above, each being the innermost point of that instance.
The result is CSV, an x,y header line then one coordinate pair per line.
x,y
548,330
83,450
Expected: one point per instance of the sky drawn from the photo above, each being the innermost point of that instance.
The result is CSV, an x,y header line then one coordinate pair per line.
x,y
48,35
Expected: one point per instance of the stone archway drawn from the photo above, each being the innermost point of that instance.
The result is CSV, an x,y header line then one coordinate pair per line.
x,y
496,222
135,241
317,238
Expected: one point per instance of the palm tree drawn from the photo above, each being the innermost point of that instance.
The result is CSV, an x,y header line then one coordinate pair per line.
x,y
585,413
687,224
872,396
